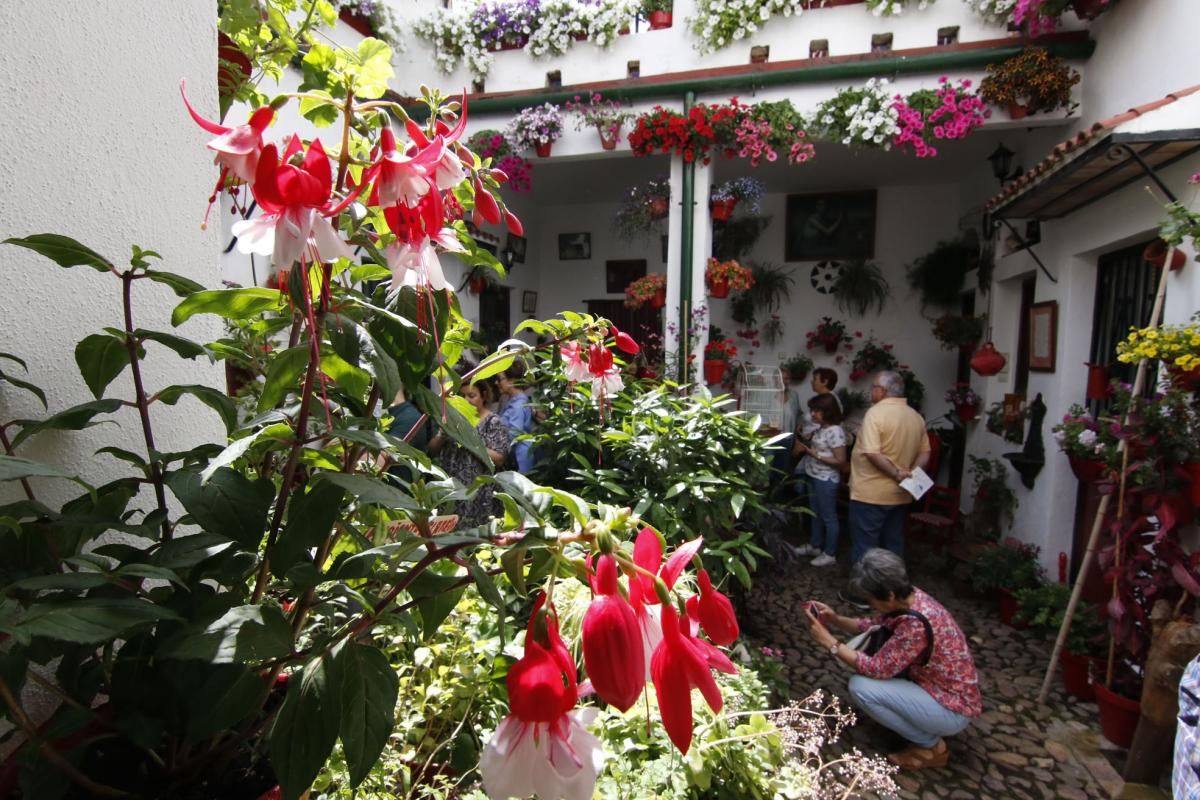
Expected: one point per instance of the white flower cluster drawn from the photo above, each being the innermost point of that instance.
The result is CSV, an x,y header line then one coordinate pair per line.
x,y
454,40
607,17
560,19
998,12
719,23
888,8
860,116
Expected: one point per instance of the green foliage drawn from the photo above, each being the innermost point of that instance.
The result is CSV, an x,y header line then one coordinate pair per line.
x,y
938,275
861,285
995,502
1011,565
1042,608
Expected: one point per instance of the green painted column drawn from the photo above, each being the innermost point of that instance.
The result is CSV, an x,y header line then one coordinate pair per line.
x,y
687,221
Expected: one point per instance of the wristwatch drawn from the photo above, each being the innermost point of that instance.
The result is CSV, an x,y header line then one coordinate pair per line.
x,y
833,651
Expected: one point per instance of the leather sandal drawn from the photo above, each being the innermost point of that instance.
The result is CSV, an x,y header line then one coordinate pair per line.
x,y
922,757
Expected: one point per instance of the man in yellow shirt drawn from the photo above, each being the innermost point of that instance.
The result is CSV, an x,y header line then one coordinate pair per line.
x,y
890,445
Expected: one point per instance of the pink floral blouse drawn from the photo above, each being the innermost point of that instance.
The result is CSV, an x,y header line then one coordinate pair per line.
x,y
949,676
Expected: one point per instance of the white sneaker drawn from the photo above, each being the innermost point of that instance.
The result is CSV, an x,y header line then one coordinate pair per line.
x,y
824,560
805,550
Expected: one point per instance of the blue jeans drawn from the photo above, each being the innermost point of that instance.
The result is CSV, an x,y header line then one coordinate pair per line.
x,y
823,497
876,526
904,707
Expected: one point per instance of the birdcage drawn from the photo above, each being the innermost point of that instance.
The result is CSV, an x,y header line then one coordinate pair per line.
x,y
760,391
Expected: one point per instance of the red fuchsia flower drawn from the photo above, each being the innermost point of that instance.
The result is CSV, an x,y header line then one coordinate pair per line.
x,y
238,148
606,378
716,613
682,663
624,341
297,203
403,178
542,747
648,555
612,641
413,257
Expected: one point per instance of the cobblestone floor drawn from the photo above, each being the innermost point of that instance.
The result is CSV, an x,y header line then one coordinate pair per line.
x,y
1016,749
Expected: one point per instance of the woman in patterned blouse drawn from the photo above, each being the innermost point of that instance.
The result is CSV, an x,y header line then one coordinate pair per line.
x,y
921,690
464,465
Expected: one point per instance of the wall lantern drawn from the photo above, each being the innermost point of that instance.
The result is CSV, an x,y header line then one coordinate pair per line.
x,y
1002,167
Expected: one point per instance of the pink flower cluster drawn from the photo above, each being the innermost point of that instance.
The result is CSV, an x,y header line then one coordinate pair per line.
x,y
754,137
1029,14
517,169
957,113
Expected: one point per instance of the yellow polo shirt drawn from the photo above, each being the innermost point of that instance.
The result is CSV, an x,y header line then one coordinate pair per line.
x,y
892,429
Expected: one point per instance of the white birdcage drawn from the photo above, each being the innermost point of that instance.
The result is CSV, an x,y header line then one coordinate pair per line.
x,y
760,391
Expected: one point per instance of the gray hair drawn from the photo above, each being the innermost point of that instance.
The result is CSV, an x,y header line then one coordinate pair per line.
x,y
880,574
891,382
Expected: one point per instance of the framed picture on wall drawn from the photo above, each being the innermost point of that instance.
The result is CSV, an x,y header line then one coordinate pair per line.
x,y
1043,333
574,246
830,225
516,245
619,274
529,302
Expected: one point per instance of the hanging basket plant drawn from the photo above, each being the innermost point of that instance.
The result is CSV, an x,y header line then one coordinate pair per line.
x,y
861,285
536,128
938,275
606,116
722,276
829,334
959,332
642,208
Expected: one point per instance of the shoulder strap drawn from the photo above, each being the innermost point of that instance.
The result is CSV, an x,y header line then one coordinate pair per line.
x,y
926,653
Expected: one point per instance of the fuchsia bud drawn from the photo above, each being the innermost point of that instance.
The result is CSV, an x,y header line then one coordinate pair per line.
x,y
485,204
612,641
625,342
514,225
716,613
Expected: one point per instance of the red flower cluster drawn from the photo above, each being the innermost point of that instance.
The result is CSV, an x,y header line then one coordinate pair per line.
x,y
720,350
693,135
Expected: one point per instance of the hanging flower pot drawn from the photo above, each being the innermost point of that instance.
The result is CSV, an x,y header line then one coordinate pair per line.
x,y
987,361
1006,603
1155,254
831,345
798,375
609,137
719,289
658,300
722,210
1187,380
660,20
1193,470
659,207
1118,715
579,36
968,347
543,149
1017,111
1089,9
714,370
1086,470
477,285
1097,381
1076,680
966,412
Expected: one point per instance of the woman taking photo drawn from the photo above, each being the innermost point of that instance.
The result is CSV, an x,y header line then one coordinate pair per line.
x,y
921,683
460,463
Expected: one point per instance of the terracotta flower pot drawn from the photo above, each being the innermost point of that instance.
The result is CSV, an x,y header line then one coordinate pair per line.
x,y
660,20
350,16
987,361
477,285
966,412
658,300
719,288
1076,679
1118,715
968,347
831,345
800,374
1017,111
722,210
1006,603
579,36
543,149
1089,9
1193,469
714,370
1097,381
1086,470
609,141
660,207
1155,254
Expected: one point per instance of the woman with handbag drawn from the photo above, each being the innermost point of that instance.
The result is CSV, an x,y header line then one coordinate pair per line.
x,y
914,672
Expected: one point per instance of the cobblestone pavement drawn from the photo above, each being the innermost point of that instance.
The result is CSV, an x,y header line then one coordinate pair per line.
x,y
1014,750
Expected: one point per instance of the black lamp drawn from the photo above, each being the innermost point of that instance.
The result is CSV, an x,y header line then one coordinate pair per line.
x,y
1002,167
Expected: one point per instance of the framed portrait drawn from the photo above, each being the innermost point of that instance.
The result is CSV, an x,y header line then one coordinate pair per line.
x,y
832,225
619,274
574,246
529,302
1043,333
516,245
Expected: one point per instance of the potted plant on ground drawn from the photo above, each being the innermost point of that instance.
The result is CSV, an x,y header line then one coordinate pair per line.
x,y
536,128
606,116
725,197
1041,609
721,276
964,400
1003,570
797,367
872,356
995,502
659,12
1030,82
831,334
717,354
649,289
957,332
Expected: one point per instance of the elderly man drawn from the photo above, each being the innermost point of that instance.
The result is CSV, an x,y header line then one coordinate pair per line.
x,y
890,445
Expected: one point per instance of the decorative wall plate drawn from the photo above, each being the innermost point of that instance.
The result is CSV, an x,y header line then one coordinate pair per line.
x,y
824,276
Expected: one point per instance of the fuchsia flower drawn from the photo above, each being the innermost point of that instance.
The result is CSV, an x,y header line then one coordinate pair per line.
x,y
297,206
624,341
573,363
716,613
680,663
413,257
612,641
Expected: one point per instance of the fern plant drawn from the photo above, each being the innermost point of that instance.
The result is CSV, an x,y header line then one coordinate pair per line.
x,y
860,286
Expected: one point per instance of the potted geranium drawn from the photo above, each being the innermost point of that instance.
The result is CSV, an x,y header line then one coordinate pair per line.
x,y
964,400
650,289
659,12
797,367
872,356
536,128
1029,82
726,196
831,334
606,116
959,332
721,276
717,354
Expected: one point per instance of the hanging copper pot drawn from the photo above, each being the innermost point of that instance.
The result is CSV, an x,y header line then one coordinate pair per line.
x,y
987,361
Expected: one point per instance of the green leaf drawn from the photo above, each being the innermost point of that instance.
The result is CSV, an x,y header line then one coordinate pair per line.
x,y
738,502
13,468
374,68
92,620
15,359
72,419
318,107
69,581
228,503
513,562
180,285
101,358
186,348
123,455
213,398
233,452
228,303
220,700
455,425
187,551
252,633
355,380
63,250
492,366
369,687
282,376
435,599
370,490
148,571
485,584
310,517
26,385
307,727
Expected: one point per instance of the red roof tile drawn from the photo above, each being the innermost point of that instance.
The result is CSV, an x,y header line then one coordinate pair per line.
x,y
1080,140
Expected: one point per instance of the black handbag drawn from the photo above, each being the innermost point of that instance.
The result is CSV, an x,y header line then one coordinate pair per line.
x,y
872,641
